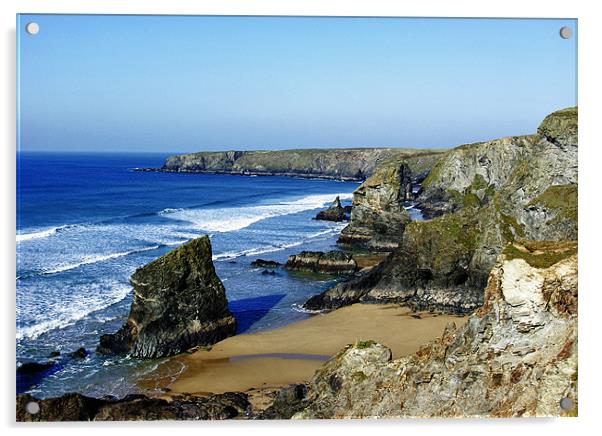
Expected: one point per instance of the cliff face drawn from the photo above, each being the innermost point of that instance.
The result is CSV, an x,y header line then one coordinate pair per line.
x,y
490,201
179,302
377,215
340,164
471,173
516,356
378,218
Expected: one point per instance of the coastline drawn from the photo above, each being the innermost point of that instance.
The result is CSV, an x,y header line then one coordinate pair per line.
x,y
291,354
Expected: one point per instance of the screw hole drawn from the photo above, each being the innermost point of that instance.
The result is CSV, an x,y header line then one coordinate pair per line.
x,y
566,32
32,407
32,28
566,403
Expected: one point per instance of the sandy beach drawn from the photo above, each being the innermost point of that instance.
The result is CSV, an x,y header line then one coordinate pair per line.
x,y
291,354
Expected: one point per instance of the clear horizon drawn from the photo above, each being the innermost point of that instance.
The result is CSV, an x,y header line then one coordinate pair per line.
x,y
181,84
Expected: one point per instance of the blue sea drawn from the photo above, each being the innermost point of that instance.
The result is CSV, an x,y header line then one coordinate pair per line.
x,y
85,222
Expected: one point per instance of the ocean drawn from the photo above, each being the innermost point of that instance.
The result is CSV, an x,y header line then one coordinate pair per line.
x,y
85,222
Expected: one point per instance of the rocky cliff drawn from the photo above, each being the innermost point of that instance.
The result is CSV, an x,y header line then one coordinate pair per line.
x,y
516,356
339,164
179,303
378,217
493,194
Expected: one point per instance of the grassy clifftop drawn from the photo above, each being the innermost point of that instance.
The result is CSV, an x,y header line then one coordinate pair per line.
x,y
343,164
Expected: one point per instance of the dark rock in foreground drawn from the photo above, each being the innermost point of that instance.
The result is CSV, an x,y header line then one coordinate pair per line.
x,y
333,262
261,263
288,401
335,212
179,303
77,407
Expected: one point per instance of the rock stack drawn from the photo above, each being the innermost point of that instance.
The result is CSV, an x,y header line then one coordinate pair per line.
x,y
179,303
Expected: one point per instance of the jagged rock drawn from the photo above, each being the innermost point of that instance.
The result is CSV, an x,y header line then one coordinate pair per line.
x,y
378,217
470,174
77,407
443,263
332,262
179,302
335,212
337,164
516,356
345,293
261,263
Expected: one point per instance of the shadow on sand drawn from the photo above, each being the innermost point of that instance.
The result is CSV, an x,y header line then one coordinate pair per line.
x,y
248,311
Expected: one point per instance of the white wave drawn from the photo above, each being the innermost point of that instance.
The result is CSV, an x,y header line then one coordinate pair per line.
x,y
273,248
95,259
299,308
236,218
76,310
41,233
169,210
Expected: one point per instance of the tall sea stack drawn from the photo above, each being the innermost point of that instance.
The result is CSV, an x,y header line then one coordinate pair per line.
x,y
179,303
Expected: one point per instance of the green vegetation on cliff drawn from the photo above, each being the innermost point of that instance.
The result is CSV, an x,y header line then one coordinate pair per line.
x,y
344,163
541,254
563,198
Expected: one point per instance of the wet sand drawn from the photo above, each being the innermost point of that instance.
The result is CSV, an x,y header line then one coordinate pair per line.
x,y
291,354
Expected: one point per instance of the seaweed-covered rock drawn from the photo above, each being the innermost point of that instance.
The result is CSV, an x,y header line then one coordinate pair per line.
x,y
516,356
332,262
335,212
179,303
77,407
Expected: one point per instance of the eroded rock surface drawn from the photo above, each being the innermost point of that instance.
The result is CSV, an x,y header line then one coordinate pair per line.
x,y
179,303
335,212
516,356
378,217
524,189
332,262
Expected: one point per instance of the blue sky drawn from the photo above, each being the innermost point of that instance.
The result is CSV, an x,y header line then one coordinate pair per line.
x,y
177,84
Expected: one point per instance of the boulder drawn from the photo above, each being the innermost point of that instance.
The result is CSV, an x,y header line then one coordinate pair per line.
x,y
515,356
80,353
335,212
261,263
332,262
179,303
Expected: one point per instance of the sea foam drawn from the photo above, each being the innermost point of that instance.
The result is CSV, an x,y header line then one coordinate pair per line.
x,y
236,218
